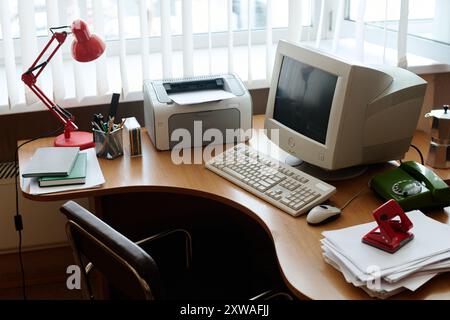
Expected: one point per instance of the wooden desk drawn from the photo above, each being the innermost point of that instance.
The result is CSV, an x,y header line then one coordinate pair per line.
x,y
296,244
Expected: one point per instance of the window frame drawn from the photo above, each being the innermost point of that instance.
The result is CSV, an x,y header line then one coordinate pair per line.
x,y
418,45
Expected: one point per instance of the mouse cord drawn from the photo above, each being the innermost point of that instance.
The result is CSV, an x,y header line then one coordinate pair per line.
x,y
365,189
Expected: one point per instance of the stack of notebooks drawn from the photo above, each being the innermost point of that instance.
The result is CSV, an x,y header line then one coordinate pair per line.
x,y
57,166
382,274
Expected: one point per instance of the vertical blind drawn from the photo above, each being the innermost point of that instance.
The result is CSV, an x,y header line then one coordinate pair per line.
x,y
244,32
28,42
100,63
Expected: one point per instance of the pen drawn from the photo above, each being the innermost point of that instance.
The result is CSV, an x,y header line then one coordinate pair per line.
x,y
110,124
113,106
98,118
117,128
96,126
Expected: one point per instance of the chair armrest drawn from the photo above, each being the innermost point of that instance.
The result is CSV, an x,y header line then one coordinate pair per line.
x,y
188,249
161,235
89,267
272,294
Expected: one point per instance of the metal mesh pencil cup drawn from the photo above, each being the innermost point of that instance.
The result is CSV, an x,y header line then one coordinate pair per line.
x,y
108,145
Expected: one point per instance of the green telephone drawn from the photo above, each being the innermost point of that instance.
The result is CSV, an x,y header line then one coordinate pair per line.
x,y
413,186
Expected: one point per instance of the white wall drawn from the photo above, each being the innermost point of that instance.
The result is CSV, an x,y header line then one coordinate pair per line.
x,y
44,225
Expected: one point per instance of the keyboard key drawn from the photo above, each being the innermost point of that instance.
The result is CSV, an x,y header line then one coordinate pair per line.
x,y
265,184
234,173
298,205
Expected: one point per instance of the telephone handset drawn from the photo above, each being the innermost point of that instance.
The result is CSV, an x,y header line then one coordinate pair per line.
x,y
413,186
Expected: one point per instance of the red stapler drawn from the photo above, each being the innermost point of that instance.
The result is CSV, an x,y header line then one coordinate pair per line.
x,y
390,235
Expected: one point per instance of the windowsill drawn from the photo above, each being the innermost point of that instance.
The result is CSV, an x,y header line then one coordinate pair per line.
x,y
373,55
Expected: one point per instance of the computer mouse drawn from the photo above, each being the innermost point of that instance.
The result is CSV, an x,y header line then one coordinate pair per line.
x,y
322,214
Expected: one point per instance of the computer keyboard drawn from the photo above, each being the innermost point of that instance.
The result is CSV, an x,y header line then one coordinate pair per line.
x,y
287,188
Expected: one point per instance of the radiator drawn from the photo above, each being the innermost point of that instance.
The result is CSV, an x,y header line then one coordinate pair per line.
x,y
43,225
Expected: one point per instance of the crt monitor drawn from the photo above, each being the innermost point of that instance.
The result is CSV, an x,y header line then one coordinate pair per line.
x,y
335,114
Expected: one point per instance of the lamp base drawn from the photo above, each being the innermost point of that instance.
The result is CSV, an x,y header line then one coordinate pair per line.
x,y
84,140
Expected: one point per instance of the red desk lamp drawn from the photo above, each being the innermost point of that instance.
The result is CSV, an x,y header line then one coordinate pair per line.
x,y
85,47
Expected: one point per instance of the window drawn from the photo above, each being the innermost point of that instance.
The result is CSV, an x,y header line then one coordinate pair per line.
x,y
428,19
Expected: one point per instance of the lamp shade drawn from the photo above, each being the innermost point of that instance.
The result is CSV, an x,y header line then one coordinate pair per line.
x,y
86,46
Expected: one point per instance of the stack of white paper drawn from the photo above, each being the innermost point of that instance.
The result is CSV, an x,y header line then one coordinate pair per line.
x,y
382,274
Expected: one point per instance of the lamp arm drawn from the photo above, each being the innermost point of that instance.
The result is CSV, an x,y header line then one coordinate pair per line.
x,y
30,79
60,37
60,113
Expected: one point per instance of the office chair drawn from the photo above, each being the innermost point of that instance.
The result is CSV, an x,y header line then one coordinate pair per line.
x,y
130,270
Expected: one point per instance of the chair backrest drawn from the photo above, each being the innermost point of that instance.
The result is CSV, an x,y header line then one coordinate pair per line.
x,y
126,266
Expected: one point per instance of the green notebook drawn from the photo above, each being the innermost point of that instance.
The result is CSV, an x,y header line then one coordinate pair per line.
x,y
76,176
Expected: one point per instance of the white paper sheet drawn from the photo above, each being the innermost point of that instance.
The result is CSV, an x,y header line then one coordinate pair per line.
x,y
411,283
201,96
431,238
436,262
94,177
361,274
385,289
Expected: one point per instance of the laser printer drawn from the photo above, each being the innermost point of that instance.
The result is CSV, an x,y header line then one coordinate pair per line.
x,y
194,105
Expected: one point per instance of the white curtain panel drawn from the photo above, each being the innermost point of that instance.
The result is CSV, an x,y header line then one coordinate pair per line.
x,y
269,39
188,38
12,80
166,39
230,34
122,48
320,23
402,34
75,7
360,29
59,91
338,25
295,20
100,63
28,42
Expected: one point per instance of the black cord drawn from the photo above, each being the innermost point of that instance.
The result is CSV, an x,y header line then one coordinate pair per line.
x,y
420,153
356,195
18,218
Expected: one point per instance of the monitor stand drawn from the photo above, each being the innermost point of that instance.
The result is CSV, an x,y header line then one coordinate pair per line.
x,y
326,175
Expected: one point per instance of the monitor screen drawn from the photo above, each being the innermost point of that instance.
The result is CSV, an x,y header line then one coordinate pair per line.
x,y
303,99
